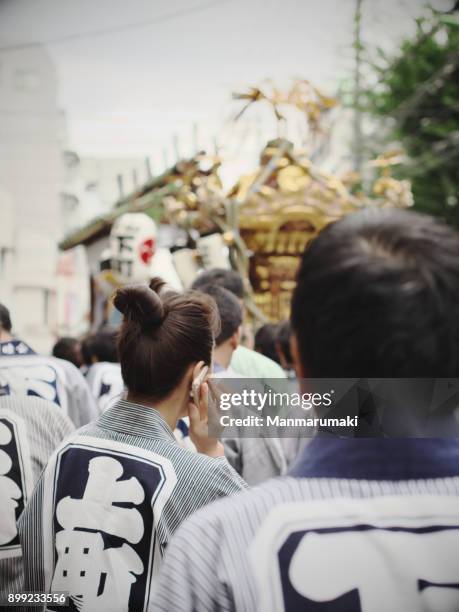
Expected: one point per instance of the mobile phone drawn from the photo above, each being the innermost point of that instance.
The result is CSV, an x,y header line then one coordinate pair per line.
x,y
196,384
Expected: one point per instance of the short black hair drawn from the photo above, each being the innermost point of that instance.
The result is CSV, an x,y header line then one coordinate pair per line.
x,y
378,296
5,319
284,332
265,341
67,348
229,309
228,279
102,346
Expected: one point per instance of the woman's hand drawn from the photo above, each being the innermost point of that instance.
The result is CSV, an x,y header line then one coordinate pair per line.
x,y
199,427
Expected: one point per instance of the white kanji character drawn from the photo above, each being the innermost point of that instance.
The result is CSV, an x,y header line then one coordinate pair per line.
x,y
8,349
40,379
95,510
372,562
22,349
9,492
96,578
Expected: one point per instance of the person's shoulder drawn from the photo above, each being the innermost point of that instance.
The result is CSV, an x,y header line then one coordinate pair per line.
x,y
104,366
29,406
65,365
253,504
190,458
249,363
242,513
73,376
24,402
61,367
211,474
42,420
74,437
230,372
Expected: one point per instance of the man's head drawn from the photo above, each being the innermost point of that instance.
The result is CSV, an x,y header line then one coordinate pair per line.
x,y
230,313
69,349
232,281
228,279
284,333
100,346
265,341
5,323
378,296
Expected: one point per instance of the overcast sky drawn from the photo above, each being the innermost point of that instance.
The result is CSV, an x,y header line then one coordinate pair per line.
x,y
166,64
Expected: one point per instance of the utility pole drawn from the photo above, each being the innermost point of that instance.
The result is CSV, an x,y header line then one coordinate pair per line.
x,y
357,123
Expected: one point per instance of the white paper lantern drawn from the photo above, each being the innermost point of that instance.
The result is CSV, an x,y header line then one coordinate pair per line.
x,y
133,245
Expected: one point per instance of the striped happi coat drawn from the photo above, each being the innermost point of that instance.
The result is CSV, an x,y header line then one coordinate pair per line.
x,y
368,525
30,431
107,505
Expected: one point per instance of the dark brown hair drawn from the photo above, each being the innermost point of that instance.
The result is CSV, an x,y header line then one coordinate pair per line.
x,y
162,334
5,320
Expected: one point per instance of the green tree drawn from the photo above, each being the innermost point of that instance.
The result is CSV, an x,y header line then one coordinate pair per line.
x,y
416,98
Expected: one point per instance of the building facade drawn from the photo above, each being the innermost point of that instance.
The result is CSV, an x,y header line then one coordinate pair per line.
x,y
30,158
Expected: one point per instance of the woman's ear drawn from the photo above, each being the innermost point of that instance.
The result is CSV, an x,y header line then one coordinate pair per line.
x,y
196,369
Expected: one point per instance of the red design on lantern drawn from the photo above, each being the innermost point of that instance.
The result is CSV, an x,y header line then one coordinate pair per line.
x,y
147,250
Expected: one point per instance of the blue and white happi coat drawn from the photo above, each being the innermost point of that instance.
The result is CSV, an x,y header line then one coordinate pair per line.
x,y
361,525
30,431
107,505
24,372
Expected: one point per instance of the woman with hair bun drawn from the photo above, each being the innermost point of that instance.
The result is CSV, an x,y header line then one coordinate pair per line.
x,y
114,493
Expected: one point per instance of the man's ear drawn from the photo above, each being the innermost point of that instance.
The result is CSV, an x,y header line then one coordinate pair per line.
x,y
300,368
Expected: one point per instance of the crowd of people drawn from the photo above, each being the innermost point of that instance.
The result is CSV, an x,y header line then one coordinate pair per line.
x,y
114,490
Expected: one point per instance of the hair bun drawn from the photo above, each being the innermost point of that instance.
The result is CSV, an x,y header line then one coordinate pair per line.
x,y
141,304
